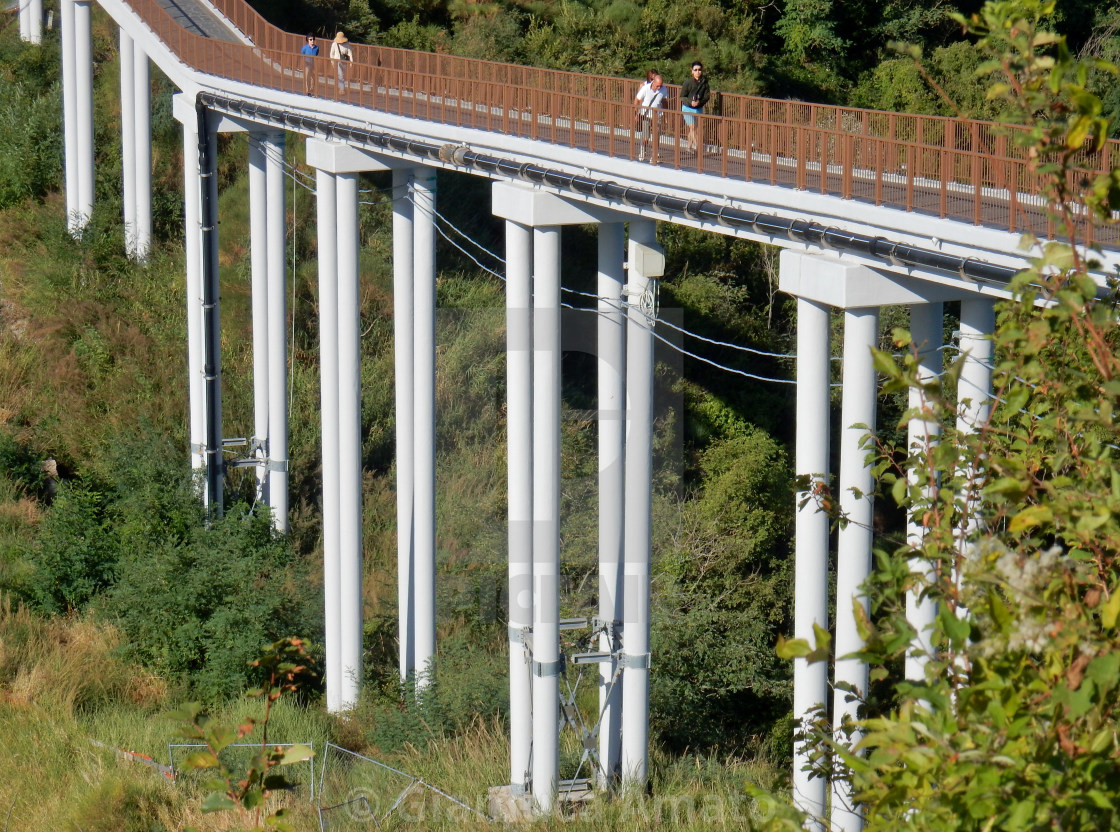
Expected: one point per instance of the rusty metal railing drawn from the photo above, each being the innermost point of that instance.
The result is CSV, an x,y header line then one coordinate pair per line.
x,y
971,171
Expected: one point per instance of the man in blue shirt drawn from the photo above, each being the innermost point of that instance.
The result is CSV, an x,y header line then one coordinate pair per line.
x,y
309,51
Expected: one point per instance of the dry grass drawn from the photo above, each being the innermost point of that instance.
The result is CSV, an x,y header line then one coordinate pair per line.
x,y
62,665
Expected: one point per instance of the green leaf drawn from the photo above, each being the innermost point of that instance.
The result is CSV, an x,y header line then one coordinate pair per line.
x,y
1094,520
1021,815
219,736
218,802
794,648
1102,740
201,759
957,629
1000,612
296,754
864,627
1111,609
1103,670
1008,487
1029,518
899,491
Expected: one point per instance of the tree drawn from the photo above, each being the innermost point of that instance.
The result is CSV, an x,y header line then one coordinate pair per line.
x,y
1016,725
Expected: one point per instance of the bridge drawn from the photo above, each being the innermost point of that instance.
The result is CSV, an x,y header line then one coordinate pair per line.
x,y
869,209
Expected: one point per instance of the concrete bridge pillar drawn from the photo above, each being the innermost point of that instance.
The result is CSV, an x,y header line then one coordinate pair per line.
x,y
192,223
258,265
127,63
277,328
326,221
267,226
424,414
926,331
403,335
31,21
337,168
82,59
974,398
533,344
810,681
136,148
646,263
25,22
142,145
200,189
70,114
340,366
855,538
519,472
611,330
349,333
546,515
821,282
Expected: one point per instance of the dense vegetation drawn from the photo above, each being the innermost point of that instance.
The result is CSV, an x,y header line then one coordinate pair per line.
x,y
106,563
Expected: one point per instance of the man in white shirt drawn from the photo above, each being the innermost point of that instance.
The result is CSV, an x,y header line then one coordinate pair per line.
x,y
649,101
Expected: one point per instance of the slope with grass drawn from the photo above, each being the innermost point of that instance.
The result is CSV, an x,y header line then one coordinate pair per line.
x,y
103,545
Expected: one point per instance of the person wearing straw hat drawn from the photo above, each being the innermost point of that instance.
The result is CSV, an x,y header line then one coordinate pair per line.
x,y
341,54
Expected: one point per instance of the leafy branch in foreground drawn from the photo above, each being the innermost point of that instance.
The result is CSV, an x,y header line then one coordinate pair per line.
x,y
1016,724
287,665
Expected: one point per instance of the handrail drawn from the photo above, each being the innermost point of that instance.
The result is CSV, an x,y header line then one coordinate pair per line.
x,y
960,169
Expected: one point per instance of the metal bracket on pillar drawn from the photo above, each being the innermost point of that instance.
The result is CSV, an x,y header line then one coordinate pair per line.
x,y
592,658
609,628
554,668
524,635
638,662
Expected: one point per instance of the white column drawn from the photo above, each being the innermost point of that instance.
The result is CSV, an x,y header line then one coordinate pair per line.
x,y
634,761
70,114
810,606
142,175
402,372
350,437
546,516
35,20
277,333
128,141
974,393
611,351
926,330
211,325
519,473
326,225
24,21
192,185
424,379
83,112
258,263
853,557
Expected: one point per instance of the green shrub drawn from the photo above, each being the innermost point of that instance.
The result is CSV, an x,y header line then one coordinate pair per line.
x,y
470,683
724,595
76,551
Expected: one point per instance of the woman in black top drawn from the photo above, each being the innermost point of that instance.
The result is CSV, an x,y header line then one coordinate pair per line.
x,y
694,95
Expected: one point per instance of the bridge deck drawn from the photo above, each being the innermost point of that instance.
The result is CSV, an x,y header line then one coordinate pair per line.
x,y
967,171
198,18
